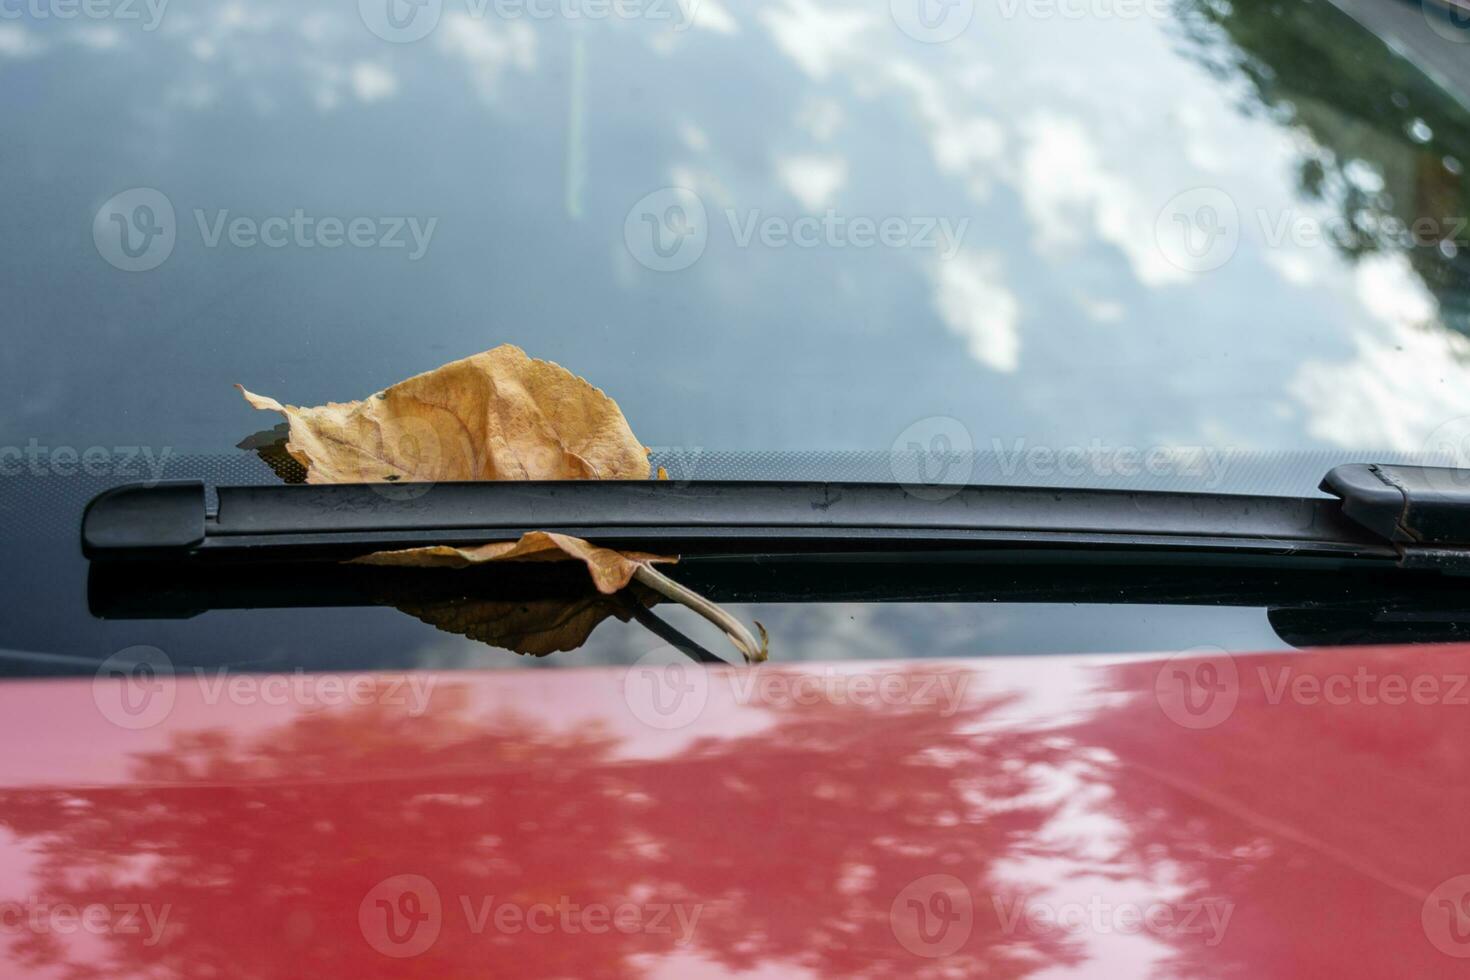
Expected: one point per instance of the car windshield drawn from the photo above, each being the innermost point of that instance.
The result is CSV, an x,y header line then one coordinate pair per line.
x,y
1083,241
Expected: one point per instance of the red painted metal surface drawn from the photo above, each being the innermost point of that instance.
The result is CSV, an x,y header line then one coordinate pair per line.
x,y
1255,816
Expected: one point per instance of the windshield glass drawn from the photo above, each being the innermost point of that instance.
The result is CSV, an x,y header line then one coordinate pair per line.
x,y
788,237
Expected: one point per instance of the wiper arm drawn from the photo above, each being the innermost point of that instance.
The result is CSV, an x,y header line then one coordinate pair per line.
x,y
334,522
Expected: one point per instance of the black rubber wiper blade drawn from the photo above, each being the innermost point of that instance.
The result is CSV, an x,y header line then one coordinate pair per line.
x,y
333,522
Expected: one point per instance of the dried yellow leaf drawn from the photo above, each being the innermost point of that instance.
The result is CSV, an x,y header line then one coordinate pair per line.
x,y
499,415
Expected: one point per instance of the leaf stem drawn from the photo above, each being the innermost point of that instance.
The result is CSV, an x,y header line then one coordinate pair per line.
x,y
733,628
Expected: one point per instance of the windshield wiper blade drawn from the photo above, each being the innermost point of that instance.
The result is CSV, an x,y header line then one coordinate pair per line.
x,y
170,521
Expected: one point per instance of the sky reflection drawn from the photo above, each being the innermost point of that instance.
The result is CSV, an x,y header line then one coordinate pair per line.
x,y
1041,282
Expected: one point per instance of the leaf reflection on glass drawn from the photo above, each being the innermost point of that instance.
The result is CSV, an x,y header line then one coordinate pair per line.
x,y
532,626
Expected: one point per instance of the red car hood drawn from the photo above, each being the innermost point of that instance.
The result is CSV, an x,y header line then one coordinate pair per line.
x,y
1281,815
